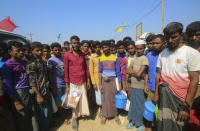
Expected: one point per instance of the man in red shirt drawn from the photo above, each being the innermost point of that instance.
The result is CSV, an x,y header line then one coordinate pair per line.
x,y
77,77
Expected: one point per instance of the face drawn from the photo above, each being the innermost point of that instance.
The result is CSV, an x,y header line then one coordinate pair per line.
x,y
63,51
75,45
113,50
56,51
131,49
46,53
85,47
173,41
121,49
106,49
37,52
194,39
157,44
97,49
66,46
150,45
140,50
28,53
16,53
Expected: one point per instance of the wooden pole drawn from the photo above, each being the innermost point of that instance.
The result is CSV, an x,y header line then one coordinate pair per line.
x,y
162,15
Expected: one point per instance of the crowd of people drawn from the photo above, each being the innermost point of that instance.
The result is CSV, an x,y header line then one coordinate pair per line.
x,y
163,68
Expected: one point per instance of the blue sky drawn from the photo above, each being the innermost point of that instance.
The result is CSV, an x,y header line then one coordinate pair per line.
x,y
93,19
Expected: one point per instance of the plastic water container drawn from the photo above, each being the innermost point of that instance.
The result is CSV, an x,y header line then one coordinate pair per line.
x,y
120,100
149,110
62,99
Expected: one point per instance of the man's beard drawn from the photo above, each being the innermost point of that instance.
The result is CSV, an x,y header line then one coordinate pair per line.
x,y
76,48
194,44
172,46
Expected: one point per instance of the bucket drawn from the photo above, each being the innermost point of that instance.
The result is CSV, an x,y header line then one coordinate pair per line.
x,y
149,110
120,100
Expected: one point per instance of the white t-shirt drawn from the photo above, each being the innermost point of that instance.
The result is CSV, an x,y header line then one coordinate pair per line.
x,y
175,67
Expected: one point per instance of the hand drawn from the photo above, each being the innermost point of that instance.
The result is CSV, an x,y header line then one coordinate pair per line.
x,y
183,115
88,85
126,86
120,87
146,89
95,87
67,90
101,88
40,99
155,98
18,106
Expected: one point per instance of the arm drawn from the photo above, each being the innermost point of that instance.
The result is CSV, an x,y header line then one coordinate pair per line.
x,y
138,74
146,89
66,71
126,64
50,73
87,74
118,72
100,75
155,98
32,75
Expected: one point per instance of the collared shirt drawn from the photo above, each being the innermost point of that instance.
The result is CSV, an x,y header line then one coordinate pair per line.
x,y
122,60
37,73
75,68
153,58
93,68
14,76
109,66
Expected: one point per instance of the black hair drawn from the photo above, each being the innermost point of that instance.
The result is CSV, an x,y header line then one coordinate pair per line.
x,y
105,43
45,46
112,40
15,44
158,36
36,44
172,28
149,38
55,44
85,41
75,38
193,27
120,42
131,43
66,43
96,43
63,48
5,55
26,47
127,38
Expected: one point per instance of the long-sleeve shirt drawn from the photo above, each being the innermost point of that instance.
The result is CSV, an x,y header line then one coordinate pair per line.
x,y
14,76
75,68
93,68
109,66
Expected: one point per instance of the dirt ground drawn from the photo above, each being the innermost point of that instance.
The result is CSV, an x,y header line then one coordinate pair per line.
x,y
94,125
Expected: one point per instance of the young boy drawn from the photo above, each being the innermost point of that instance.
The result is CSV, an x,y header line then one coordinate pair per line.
x,y
137,71
122,55
109,69
131,51
46,52
27,52
93,68
113,49
39,82
17,86
56,74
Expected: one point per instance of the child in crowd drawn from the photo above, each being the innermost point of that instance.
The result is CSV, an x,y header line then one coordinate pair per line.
x,y
149,43
27,52
63,51
56,74
113,49
131,51
39,82
137,71
46,52
109,69
17,87
67,46
122,55
7,119
93,68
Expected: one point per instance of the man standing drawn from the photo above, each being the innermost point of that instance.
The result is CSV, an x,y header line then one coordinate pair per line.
x,y
193,33
76,72
176,81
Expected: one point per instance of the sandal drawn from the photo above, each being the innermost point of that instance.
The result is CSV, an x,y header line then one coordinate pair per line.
x,y
103,121
67,122
141,128
130,126
74,125
117,120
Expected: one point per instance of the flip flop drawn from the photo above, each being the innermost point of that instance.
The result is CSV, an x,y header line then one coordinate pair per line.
x,y
67,122
117,120
74,125
130,126
141,128
103,121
